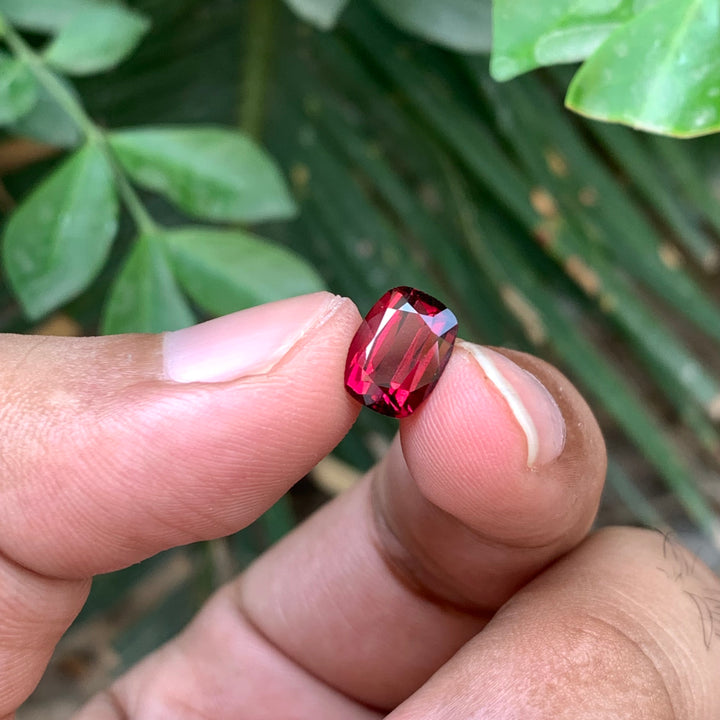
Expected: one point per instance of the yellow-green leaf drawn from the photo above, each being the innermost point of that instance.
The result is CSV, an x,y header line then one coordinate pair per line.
x,y
145,296
18,89
96,39
532,33
228,270
463,25
45,16
58,239
322,13
48,121
210,172
659,72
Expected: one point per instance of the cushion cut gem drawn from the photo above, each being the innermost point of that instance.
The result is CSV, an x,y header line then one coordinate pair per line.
x,y
400,351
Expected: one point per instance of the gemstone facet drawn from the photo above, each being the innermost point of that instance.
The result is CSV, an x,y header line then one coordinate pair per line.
x,y
400,351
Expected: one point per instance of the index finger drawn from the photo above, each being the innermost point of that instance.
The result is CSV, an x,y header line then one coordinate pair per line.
x,y
116,448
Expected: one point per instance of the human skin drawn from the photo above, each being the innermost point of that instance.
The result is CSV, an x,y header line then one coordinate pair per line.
x,y
453,581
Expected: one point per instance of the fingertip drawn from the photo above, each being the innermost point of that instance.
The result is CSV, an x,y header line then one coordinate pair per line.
x,y
244,343
531,404
464,447
469,445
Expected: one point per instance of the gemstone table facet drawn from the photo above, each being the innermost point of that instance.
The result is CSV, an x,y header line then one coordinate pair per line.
x,y
400,351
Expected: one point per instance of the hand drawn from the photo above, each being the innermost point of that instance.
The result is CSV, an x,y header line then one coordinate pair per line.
x,y
411,596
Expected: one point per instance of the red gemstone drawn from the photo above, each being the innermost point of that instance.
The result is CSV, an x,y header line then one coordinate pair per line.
x,y
400,351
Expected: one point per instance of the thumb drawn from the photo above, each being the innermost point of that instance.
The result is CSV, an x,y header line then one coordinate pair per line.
x,y
116,448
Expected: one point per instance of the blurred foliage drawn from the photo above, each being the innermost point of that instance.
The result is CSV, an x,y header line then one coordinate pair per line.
x,y
589,244
646,61
58,240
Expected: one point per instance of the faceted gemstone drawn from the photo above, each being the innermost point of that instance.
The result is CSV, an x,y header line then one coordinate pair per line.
x,y
400,351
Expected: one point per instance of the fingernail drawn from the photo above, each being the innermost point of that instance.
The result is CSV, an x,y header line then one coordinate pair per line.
x,y
534,408
249,342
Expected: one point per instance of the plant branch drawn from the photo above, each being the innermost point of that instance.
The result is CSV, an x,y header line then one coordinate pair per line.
x,y
139,213
92,132
256,65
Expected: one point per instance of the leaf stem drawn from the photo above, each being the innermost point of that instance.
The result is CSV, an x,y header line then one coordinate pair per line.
x,y
50,81
256,65
92,132
139,213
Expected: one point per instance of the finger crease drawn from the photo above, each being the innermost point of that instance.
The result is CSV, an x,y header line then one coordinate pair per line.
x,y
412,572
242,610
26,569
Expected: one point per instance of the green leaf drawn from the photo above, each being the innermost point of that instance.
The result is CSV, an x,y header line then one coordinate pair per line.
x,y
322,13
48,121
58,239
660,72
96,39
18,89
463,25
45,16
145,296
211,173
527,35
228,270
